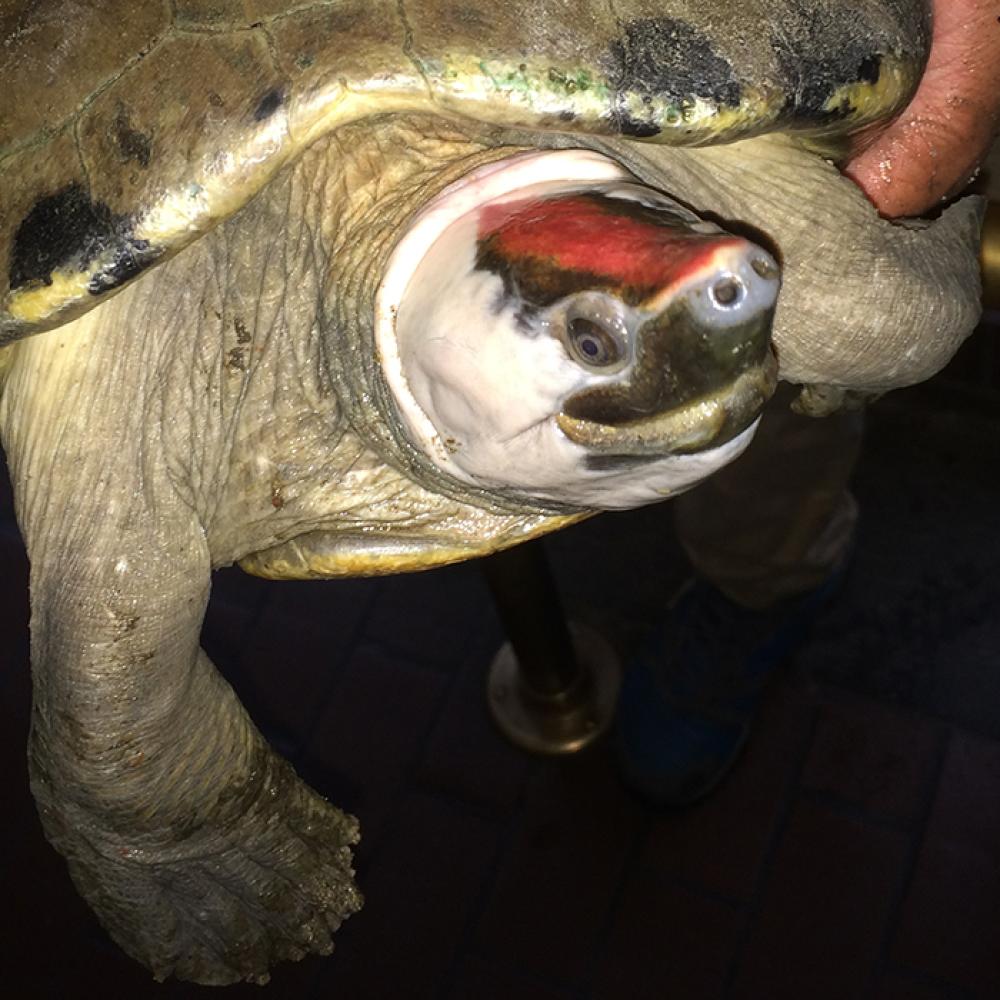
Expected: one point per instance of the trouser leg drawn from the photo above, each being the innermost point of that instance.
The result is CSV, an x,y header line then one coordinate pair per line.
x,y
776,522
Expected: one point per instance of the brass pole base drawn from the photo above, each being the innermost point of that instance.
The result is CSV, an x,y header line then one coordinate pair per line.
x,y
566,722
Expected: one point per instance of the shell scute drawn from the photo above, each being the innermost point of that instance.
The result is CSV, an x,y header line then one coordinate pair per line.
x,y
53,56
178,117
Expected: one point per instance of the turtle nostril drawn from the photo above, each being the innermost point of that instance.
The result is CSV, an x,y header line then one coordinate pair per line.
x,y
765,267
728,291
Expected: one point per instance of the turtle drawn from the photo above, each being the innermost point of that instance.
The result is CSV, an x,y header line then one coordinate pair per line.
x,y
353,287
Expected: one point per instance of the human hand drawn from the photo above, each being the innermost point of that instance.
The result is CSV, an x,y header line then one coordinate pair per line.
x,y
931,150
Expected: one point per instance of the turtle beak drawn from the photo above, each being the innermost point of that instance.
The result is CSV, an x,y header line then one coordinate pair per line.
x,y
703,365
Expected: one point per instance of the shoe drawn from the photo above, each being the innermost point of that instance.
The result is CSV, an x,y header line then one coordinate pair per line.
x,y
690,695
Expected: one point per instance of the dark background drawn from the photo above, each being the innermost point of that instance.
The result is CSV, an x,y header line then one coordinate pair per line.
x,y
853,853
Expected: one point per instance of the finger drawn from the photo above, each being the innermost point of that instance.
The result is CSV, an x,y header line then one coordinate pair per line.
x,y
933,149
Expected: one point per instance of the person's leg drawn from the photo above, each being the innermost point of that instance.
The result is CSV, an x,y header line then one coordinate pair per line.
x,y
776,523
768,538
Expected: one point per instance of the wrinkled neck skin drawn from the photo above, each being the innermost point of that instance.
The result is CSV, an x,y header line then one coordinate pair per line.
x,y
421,156
245,368
244,379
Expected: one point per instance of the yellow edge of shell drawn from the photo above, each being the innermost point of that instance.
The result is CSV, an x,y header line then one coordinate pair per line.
x,y
351,556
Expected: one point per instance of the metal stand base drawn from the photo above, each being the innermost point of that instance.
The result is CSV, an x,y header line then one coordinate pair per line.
x,y
564,722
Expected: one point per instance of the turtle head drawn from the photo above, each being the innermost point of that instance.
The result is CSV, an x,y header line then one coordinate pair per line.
x,y
553,327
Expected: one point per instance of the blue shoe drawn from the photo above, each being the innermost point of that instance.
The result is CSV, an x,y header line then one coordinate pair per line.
x,y
690,695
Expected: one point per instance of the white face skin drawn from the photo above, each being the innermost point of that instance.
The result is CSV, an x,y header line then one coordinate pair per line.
x,y
478,391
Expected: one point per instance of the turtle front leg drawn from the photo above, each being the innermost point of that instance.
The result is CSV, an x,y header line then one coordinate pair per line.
x,y
201,851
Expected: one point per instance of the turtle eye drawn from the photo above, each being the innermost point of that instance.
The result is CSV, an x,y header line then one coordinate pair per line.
x,y
593,344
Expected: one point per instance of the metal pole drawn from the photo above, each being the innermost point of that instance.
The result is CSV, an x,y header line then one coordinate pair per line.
x,y
552,687
532,616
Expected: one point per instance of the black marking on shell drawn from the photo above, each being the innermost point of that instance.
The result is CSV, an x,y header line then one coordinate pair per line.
x,y
268,104
132,144
67,231
833,56
634,128
666,58
62,228
870,69
131,258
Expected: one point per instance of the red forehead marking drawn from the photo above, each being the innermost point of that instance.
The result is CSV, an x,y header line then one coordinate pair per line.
x,y
596,234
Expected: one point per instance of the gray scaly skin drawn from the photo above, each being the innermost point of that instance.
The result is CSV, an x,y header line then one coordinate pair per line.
x,y
150,777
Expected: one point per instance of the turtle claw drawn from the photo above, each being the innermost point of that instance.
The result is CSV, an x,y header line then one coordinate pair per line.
x,y
225,902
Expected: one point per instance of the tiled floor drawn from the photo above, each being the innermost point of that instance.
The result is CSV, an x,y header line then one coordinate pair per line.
x,y
853,853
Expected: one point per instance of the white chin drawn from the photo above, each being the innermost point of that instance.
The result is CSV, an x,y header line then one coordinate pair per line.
x,y
636,484
479,397
549,467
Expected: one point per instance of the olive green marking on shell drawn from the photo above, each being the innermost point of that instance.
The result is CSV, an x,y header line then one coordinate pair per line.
x,y
569,83
541,88
561,83
574,93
